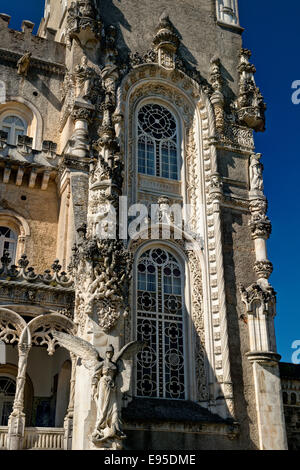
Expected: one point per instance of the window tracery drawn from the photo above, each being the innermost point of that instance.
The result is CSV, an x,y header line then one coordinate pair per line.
x,y
160,371
158,153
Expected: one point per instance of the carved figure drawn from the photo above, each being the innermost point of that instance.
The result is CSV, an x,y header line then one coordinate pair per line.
x,y
23,64
256,177
105,386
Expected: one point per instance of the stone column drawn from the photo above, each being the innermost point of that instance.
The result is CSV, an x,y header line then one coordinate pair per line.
x,y
79,142
260,301
16,422
68,421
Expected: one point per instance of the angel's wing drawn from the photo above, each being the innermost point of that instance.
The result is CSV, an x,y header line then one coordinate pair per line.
x,y
130,350
88,353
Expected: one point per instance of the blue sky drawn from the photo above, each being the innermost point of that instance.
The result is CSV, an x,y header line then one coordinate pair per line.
x,y
272,33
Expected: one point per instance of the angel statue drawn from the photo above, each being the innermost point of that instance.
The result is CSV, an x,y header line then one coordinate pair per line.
x,y
104,382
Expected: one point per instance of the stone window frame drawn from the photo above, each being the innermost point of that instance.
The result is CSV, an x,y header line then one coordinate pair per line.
x,y
162,101
25,110
189,362
18,225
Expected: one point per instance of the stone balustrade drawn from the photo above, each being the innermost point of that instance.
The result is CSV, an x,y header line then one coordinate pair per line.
x,y
3,437
37,438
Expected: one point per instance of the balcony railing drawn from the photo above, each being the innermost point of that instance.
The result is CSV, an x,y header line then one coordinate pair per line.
x,y
36,438
44,438
3,437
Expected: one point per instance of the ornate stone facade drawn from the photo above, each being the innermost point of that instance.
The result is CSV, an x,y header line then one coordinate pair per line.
x,y
144,153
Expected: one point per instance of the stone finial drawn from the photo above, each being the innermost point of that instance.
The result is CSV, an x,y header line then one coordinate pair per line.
x,y
27,26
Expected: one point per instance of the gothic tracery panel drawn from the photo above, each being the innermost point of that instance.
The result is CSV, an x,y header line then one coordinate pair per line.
x,y
160,323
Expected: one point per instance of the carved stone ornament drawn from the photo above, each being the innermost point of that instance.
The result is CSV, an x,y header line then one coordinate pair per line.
x,y
102,271
83,22
166,42
23,64
257,293
260,225
256,174
250,106
24,273
105,385
263,269
217,97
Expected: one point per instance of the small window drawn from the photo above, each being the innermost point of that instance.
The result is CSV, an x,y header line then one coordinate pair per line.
x,y
14,126
158,153
7,395
8,242
285,398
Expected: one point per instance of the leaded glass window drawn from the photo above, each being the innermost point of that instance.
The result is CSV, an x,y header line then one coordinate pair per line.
x,y
160,323
157,142
7,395
14,126
8,242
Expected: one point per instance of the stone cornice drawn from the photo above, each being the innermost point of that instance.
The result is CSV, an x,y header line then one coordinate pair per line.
x,y
45,66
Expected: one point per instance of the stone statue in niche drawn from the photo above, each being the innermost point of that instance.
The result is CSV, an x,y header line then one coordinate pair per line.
x,y
256,173
105,383
85,78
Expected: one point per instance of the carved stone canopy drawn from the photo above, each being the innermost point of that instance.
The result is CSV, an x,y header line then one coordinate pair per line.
x,y
166,36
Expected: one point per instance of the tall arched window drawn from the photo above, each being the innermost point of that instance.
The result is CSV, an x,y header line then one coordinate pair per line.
x,y
14,126
158,142
160,371
8,241
7,395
